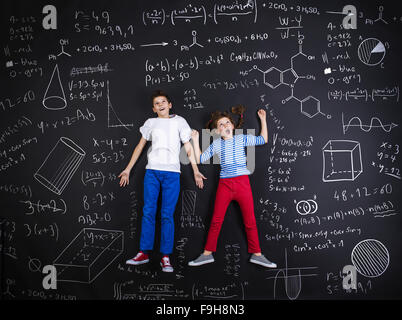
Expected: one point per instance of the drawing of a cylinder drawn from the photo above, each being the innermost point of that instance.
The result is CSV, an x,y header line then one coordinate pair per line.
x,y
342,161
60,165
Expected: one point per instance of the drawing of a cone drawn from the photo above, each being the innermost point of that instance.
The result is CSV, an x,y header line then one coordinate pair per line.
x,y
60,165
54,98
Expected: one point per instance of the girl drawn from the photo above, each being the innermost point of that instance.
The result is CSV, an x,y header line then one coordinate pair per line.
x,y
234,182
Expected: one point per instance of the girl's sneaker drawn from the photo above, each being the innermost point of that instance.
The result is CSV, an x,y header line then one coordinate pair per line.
x,y
202,259
140,258
165,264
262,261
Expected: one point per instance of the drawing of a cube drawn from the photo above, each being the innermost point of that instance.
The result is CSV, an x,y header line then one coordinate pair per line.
x,y
88,255
342,160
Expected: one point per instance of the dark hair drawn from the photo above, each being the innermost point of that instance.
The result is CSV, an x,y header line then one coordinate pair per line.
x,y
215,116
159,93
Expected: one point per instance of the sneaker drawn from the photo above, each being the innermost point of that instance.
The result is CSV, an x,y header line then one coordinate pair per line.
x,y
262,261
140,258
202,259
165,264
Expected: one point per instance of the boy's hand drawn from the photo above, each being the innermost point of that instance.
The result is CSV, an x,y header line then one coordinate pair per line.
x,y
194,134
124,180
262,114
198,177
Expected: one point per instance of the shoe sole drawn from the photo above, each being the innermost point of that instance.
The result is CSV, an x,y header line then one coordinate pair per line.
x,y
137,263
196,264
273,266
168,270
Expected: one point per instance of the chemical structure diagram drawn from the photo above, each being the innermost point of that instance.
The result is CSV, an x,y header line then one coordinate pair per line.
x,y
273,78
381,19
380,11
62,42
195,43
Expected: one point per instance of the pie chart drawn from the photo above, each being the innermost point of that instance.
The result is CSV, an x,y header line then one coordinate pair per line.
x,y
371,51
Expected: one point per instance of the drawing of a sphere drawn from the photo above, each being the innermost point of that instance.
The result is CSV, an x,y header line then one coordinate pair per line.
x,y
370,257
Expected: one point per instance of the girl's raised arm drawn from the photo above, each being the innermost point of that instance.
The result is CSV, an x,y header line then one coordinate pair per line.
x,y
264,130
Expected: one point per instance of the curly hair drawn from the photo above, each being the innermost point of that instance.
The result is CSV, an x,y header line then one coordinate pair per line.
x,y
159,93
215,116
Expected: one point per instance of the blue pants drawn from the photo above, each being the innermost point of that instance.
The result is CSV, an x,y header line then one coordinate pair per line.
x,y
169,182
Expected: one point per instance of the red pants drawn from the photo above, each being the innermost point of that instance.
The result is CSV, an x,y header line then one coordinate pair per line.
x,y
237,188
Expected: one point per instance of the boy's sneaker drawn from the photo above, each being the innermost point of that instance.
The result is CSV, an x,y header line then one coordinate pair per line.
x,y
202,259
262,261
165,264
140,258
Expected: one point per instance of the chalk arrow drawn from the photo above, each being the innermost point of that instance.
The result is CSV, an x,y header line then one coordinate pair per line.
x,y
154,44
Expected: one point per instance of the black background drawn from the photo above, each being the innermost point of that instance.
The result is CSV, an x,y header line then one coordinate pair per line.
x,y
25,252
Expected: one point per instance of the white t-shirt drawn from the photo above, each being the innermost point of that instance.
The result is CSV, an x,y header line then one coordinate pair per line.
x,y
165,134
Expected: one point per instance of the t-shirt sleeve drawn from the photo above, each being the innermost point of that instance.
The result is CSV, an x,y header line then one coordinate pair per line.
x,y
184,131
208,153
146,130
250,140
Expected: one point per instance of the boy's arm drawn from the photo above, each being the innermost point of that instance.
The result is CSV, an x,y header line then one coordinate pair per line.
x,y
136,153
125,174
264,129
197,149
198,176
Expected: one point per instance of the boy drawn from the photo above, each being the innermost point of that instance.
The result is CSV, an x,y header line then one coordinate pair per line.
x,y
162,174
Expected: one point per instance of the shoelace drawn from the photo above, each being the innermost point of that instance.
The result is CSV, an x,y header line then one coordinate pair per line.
x,y
138,255
166,261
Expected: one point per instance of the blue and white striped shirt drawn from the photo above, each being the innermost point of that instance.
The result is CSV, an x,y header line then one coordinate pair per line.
x,y
232,154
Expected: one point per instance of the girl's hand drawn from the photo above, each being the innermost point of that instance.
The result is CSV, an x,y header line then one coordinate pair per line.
x,y
194,134
262,114
198,177
124,180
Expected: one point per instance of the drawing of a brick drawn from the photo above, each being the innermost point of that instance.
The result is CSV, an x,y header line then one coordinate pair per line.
x,y
88,255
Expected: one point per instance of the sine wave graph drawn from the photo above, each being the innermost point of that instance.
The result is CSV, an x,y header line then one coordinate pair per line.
x,y
374,123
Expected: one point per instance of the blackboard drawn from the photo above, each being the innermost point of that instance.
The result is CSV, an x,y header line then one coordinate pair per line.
x,y
76,84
